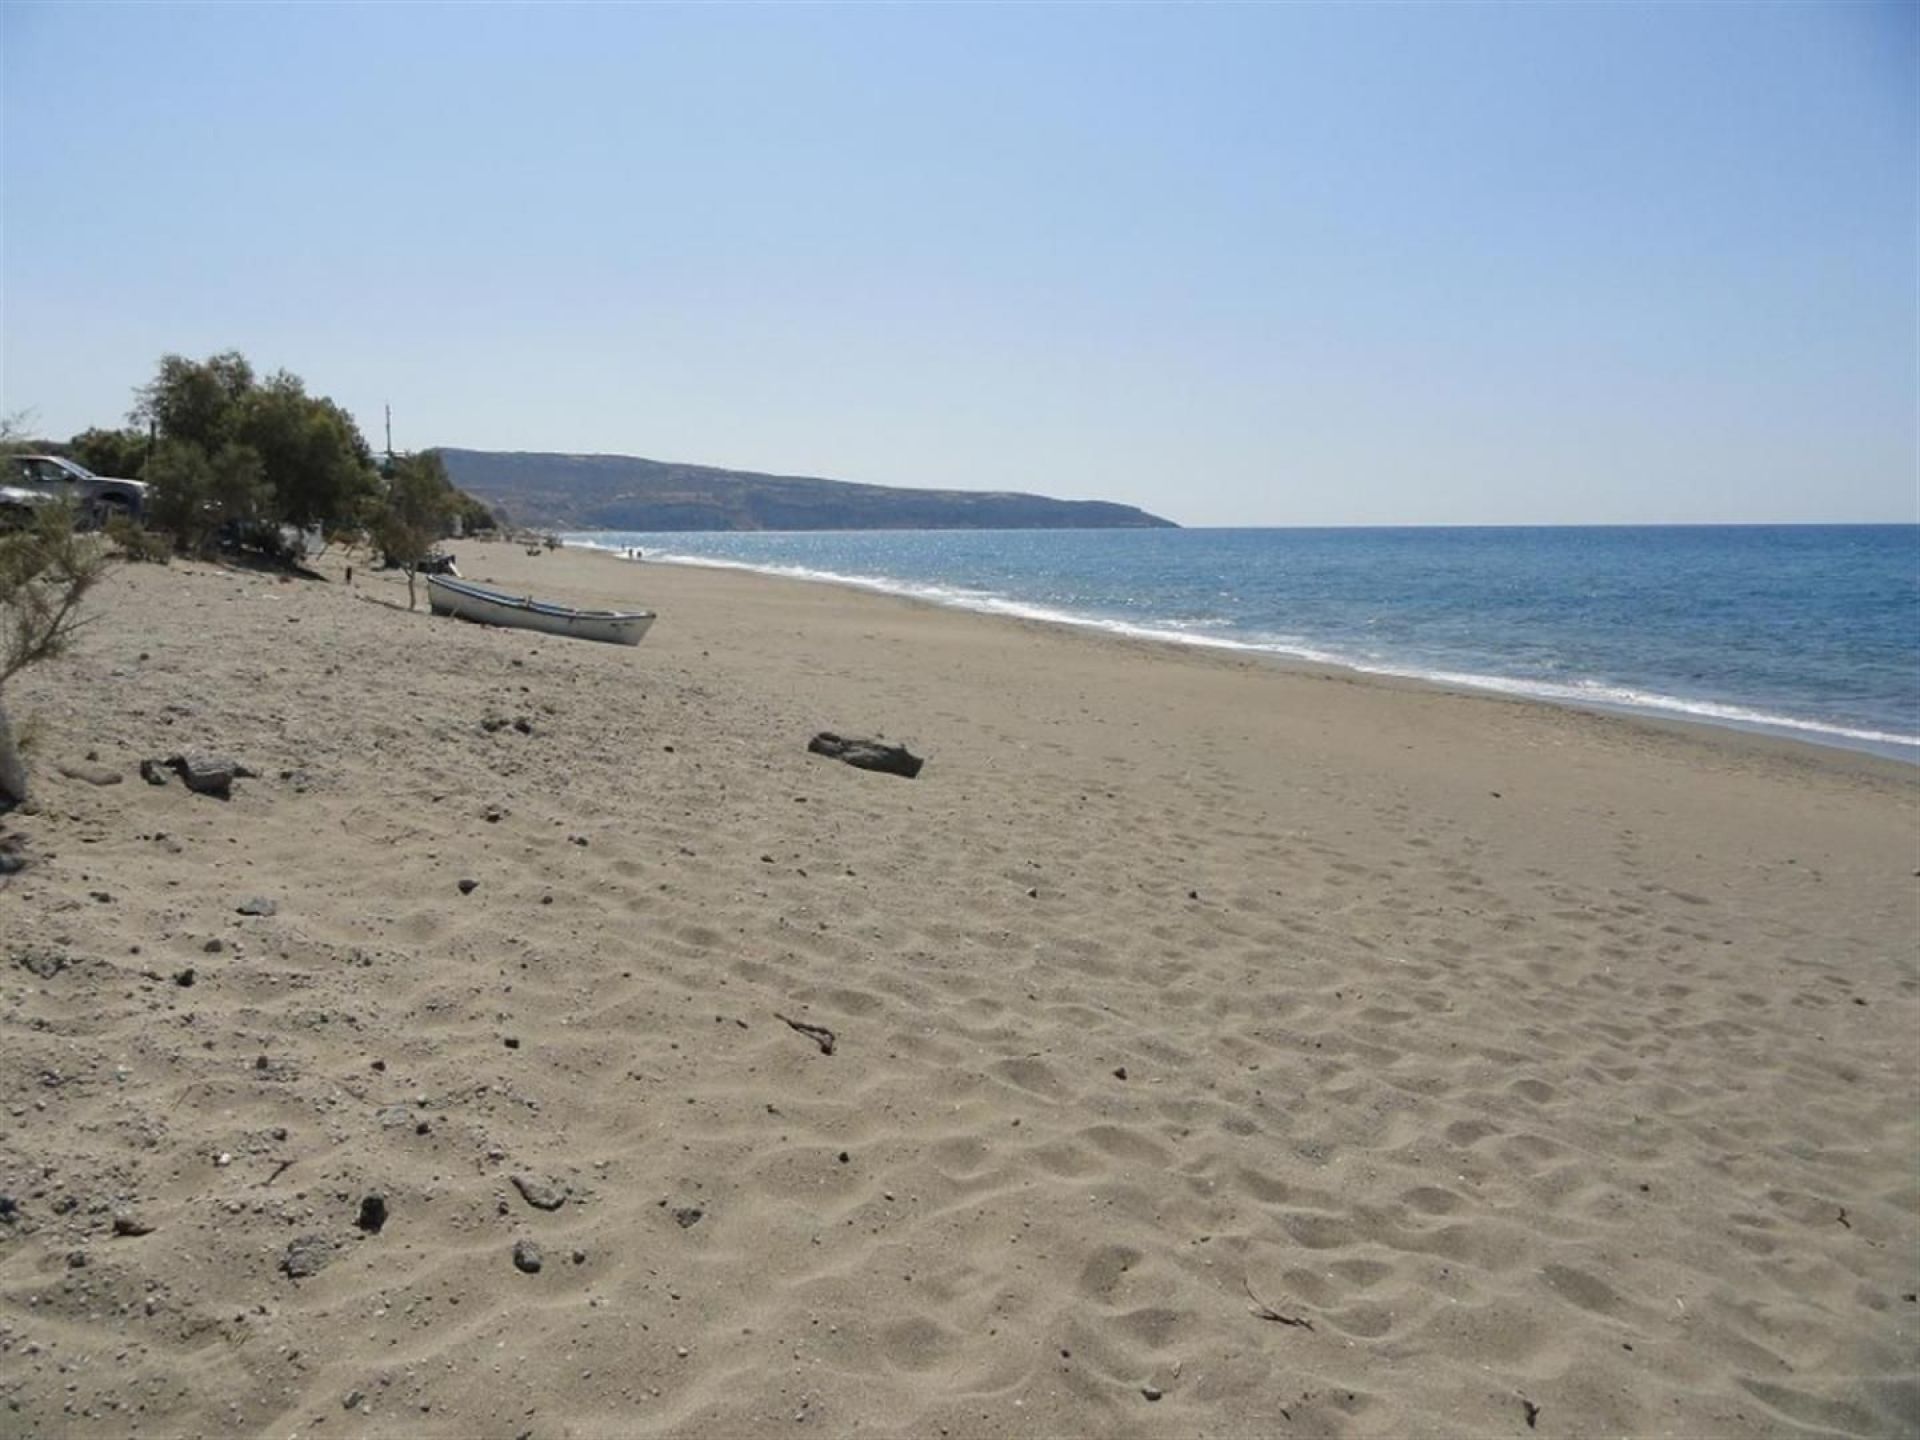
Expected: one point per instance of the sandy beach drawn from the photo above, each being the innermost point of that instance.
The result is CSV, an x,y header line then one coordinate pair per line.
x,y
1219,1049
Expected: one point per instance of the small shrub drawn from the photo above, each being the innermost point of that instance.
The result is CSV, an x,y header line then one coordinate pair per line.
x,y
135,543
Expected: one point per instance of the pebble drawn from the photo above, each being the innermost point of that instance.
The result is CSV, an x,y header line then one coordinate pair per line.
x,y
1152,1392
259,905
527,1257
540,1191
469,885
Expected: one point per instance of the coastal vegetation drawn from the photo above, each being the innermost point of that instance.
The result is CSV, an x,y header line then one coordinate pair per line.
x,y
46,570
237,460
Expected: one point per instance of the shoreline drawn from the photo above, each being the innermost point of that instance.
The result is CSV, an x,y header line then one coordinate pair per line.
x,y
1541,1063
1781,730
1657,709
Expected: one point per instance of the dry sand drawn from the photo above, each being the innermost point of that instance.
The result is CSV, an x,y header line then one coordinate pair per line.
x,y
1543,1073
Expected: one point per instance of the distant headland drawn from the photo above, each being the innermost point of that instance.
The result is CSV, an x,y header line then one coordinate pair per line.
x,y
625,492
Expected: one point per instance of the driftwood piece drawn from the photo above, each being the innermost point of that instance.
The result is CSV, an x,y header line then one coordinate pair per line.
x,y
867,754
85,770
819,1034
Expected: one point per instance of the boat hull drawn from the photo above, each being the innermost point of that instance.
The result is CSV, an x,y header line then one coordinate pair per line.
x,y
519,612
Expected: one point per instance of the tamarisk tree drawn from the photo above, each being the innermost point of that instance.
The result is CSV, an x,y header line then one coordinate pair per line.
x,y
46,570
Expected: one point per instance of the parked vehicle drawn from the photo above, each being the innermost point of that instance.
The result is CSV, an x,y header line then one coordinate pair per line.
x,y
30,481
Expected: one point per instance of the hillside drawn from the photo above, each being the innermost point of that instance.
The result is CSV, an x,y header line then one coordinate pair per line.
x,y
624,492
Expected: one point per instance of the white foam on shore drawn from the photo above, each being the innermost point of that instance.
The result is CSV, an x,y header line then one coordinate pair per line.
x,y
1583,694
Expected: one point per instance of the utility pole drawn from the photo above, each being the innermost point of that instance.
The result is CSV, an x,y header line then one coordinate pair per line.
x,y
389,410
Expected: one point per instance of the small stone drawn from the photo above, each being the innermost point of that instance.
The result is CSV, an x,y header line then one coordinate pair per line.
x,y
259,905
1152,1392
526,1257
76,1259
468,886
353,1401
579,1257
541,1191
214,946
308,1255
1119,1072
512,1042
184,978
688,1216
373,1214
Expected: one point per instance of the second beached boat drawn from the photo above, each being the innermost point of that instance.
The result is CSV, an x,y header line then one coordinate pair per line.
x,y
448,596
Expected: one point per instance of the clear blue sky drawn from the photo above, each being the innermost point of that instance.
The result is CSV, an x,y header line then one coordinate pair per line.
x,y
1295,264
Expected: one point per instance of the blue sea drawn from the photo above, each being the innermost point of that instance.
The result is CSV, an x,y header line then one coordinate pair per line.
x,y
1805,631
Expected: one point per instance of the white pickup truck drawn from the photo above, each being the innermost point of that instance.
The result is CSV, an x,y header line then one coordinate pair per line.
x,y
30,481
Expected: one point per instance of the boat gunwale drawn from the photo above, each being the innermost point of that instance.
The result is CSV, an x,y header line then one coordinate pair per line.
x,y
528,603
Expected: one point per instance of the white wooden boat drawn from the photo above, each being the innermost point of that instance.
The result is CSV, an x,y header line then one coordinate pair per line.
x,y
447,595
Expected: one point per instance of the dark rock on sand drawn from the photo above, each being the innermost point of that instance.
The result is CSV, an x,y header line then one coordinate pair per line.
x,y
373,1214
867,754
540,1191
126,1223
259,905
468,886
41,960
308,1255
527,1257
688,1216
204,774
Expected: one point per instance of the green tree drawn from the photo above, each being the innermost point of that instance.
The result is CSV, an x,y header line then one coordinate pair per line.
x,y
198,499
111,452
416,510
309,462
312,453
194,401
181,502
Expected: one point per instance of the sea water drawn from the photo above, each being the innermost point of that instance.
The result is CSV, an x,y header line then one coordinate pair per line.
x,y
1807,631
